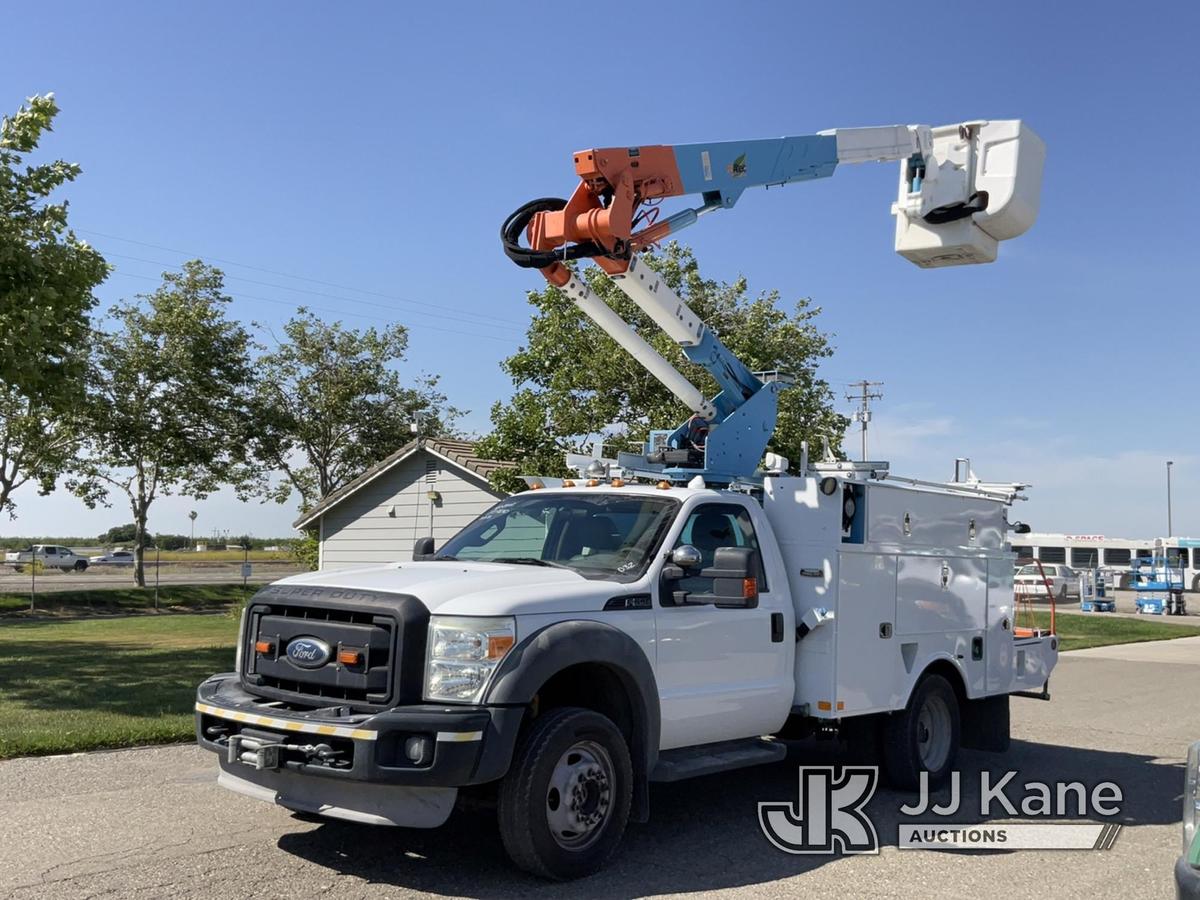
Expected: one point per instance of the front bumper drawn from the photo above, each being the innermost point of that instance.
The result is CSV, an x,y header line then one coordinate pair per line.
x,y
463,745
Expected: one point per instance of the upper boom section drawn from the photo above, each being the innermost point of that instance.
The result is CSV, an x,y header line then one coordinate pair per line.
x,y
963,188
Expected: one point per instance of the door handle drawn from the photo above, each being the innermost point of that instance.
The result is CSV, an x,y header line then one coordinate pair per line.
x,y
777,628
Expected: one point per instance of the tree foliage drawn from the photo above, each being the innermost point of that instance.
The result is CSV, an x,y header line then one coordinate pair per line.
x,y
36,444
46,273
574,382
46,280
167,401
329,402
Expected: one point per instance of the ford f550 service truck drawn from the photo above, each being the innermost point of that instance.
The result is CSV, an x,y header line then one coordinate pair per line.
x,y
680,611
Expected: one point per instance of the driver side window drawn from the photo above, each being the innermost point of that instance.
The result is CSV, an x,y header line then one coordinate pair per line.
x,y
710,527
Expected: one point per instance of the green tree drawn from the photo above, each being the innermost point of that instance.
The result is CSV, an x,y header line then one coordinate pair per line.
x,y
574,382
46,273
328,402
36,444
167,399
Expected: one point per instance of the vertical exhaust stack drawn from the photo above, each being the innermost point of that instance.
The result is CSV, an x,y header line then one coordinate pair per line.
x,y
977,184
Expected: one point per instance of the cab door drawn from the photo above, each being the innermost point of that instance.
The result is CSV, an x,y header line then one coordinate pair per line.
x,y
724,673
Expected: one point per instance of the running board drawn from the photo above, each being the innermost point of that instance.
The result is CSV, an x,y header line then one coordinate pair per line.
x,y
691,762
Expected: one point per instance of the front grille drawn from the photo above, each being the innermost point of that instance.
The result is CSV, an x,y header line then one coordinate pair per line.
x,y
373,636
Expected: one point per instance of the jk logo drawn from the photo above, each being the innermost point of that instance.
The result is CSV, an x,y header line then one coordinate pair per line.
x,y
828,816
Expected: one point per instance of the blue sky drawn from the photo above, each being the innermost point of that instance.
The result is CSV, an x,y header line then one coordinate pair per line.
x,y
376,147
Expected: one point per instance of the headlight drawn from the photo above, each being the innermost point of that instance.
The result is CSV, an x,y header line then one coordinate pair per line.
x,y
1191,799
462,655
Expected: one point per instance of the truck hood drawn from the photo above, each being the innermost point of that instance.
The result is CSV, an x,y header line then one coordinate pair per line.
x,y
475,588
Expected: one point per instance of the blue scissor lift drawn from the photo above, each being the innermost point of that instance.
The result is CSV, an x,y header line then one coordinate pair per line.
x,y
1159,586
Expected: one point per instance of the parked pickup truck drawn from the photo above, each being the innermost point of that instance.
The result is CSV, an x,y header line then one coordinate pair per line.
x,y
576,643
52,556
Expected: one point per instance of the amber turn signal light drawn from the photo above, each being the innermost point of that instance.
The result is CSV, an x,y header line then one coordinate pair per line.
x,y
265,647
498,645
349,657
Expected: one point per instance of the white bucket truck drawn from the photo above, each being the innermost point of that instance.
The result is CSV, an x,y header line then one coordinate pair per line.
x,y
584,639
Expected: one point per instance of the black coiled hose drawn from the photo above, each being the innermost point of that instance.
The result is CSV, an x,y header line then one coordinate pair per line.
x,y
514,226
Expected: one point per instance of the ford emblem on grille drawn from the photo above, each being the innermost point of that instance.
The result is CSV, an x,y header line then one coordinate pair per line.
x,y
308,652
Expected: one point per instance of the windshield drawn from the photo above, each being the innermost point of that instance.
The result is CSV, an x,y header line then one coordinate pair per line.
x,y
599,536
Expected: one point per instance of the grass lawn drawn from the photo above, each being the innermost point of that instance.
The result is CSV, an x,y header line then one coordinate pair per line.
x,y
130,599
1078,631
219,556
68,686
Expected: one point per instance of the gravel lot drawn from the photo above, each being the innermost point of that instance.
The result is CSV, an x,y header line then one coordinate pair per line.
x,y
150,823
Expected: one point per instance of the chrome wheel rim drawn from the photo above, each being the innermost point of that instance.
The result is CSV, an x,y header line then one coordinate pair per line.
x,y
933,733
579,796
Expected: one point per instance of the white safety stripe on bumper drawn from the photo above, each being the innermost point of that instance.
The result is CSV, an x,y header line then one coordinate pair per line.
x,y
362,734
459,737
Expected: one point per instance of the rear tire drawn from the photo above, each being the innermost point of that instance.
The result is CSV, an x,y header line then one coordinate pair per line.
x,y
924,737
565,802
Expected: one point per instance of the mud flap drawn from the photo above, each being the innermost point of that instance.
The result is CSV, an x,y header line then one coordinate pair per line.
x,y
985,724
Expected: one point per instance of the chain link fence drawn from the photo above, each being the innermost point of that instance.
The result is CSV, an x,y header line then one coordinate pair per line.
x,y
162,571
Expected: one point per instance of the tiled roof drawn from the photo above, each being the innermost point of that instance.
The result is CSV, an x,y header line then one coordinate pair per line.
x,y
460,453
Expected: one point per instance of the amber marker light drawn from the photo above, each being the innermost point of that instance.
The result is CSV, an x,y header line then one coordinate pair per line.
x,y
499,644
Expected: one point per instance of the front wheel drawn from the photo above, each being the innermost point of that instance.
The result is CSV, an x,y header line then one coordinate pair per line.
x,y
81,565
565,802
924,737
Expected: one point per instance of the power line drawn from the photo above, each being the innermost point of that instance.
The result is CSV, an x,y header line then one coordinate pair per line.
x,y
229,262
509,327
292,305
863,413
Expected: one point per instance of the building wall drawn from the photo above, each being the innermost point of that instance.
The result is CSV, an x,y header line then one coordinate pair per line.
x,y
379,522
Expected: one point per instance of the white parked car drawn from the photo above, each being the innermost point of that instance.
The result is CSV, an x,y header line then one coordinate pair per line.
x,y
113,558
1064,581
52,556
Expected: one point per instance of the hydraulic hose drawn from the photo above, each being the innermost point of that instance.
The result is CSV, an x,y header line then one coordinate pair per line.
x,y
514,226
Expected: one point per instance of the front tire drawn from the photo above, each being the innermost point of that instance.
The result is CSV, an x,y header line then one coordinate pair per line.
x,y
565,802
923,738
81,565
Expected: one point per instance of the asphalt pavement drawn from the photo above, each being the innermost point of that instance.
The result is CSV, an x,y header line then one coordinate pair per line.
x,y
153,823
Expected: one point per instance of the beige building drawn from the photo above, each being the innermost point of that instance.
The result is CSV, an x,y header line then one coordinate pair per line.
x,y
432,486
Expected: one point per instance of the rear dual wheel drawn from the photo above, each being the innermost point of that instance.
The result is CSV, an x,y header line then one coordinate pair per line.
x,y
924,737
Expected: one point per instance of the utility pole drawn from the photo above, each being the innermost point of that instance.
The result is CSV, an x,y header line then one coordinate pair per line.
x,y
1169,464
863,413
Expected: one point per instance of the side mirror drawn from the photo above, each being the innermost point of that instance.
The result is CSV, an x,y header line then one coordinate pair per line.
x,y
1021,528
686,557
735,577
423,548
